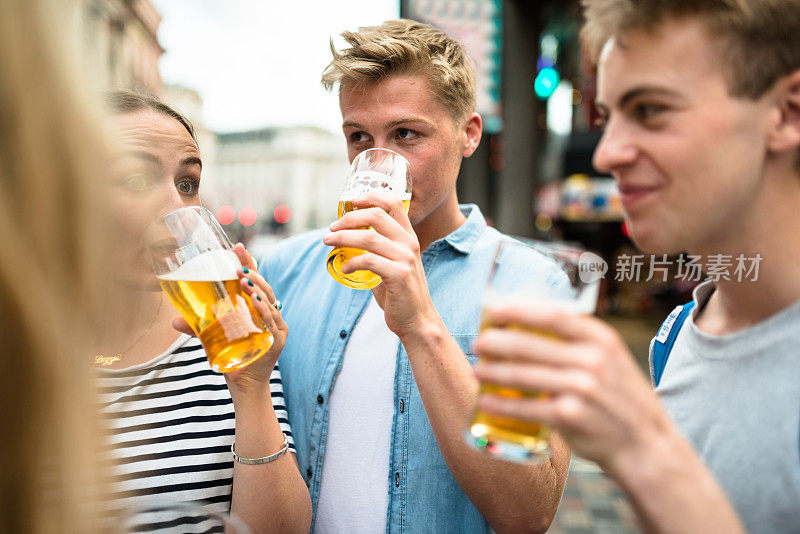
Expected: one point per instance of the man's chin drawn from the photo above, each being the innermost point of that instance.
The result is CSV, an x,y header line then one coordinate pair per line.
x,y
653,242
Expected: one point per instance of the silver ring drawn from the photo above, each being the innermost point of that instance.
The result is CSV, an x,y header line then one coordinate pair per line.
x,y
278,305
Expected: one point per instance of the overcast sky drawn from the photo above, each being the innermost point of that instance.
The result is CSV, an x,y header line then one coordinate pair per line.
x,y
258,62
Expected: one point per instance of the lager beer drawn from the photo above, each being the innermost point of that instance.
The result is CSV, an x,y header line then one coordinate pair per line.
x,y
375,170
553,283
338,257
529,441
208,294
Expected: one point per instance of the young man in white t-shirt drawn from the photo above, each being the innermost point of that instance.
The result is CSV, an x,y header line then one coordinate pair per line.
x,y
378,384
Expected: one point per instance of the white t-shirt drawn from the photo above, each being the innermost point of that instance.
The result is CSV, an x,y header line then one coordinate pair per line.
x,y
354,488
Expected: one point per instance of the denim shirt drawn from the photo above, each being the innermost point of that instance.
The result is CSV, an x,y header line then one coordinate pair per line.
x,y
321,314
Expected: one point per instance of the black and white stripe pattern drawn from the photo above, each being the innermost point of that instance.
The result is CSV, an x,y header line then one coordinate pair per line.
x,y
171,425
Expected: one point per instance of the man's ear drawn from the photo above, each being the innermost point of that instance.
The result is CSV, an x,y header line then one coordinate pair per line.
x,y
785,134
472,131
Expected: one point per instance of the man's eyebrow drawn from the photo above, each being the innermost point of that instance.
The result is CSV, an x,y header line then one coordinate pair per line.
x,y
646,90
404,120
392,124
191,160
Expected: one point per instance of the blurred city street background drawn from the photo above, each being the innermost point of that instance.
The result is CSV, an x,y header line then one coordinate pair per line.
x,y
247,74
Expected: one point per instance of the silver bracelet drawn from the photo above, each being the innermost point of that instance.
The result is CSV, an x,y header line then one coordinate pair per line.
x,y
264,460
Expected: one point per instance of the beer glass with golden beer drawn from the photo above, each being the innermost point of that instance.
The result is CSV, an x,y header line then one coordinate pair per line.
x,y
374,170
196,267
564,284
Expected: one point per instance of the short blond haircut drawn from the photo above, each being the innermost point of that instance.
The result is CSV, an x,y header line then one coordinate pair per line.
x,y
760,39
406,47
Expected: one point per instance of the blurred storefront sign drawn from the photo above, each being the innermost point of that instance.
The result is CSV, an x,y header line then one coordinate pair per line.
x,y
477,24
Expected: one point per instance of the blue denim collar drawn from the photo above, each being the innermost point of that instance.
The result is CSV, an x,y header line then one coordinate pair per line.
x,y
464,237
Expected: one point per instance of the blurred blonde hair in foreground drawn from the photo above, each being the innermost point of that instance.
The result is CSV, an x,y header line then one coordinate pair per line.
x,y
52,162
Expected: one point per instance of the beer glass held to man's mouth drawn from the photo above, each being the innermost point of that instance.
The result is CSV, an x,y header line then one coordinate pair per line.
x,y
374,170
196,266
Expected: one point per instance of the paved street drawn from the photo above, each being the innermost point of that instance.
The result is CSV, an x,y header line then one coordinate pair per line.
x,y
592,504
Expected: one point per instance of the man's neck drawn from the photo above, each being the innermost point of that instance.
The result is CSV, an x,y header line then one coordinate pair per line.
x,y
770,232
442,221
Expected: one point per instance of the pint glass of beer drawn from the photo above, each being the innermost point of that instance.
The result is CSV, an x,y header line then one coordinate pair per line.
x,y
537,274
374,170
196,267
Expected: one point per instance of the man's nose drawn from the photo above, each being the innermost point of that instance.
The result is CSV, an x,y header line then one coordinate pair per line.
x,y
616,148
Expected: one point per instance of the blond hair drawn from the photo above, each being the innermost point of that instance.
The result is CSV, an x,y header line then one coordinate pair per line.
x,y
51,161
406,47
760,39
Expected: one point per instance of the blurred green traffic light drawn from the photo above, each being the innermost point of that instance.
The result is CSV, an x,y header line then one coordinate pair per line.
x,y
546,82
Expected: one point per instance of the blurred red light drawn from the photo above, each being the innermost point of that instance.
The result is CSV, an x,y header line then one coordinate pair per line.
x,y
247,216
226,215
282,213
625,230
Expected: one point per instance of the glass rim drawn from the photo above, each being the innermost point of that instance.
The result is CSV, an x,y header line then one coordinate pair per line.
x,y
193,207
546,248
374,149
377,148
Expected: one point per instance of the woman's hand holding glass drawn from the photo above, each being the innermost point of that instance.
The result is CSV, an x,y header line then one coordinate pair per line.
x,y
265,303
269,308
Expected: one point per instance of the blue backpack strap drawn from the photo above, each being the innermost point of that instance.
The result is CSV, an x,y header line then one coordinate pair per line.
x,y
662,344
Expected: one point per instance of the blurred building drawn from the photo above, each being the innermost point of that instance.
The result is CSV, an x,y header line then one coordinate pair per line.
x,y
300,167
119,41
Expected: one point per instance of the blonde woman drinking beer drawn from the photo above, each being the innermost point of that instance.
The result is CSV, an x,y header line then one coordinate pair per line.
x,y
173,420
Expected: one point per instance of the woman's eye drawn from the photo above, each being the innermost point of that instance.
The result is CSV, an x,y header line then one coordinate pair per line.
x,y
137,182
187,187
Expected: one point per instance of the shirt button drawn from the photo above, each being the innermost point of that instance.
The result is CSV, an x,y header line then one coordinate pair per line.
x,y
320,399
308,472
402,406
343,334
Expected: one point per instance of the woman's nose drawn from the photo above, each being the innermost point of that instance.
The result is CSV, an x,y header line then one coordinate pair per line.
x,y
171,198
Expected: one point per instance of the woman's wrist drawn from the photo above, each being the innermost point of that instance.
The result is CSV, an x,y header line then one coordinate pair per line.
x,y
245,389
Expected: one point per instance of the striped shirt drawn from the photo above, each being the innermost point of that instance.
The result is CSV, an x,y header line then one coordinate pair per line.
x,y
171,426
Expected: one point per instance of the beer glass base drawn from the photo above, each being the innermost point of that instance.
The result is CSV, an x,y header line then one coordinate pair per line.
x,y
535,453
355,280
239,354
221,366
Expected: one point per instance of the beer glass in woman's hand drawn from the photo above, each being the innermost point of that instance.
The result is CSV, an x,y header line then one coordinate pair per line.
x,y
197,269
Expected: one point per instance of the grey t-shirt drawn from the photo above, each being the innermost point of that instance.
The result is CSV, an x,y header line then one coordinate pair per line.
x,y
737,399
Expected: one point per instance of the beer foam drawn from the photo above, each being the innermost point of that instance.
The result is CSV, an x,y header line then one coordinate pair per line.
x,y
362,182
211,266
584,304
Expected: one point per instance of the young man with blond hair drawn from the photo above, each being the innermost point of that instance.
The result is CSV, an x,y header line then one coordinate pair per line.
x,y
379,386
702,107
